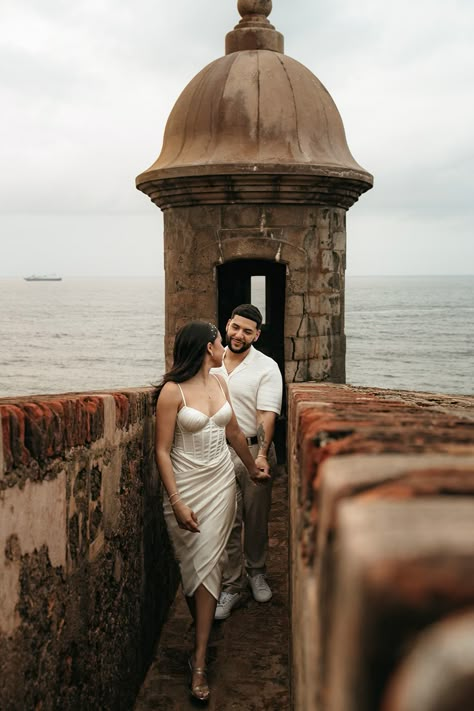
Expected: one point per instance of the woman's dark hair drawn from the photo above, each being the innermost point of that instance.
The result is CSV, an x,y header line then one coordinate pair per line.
x,y
190,346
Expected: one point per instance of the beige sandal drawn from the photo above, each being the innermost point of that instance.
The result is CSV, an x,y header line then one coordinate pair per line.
x,y
200,692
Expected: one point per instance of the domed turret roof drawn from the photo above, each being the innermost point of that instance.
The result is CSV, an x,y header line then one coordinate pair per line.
x,y
255,110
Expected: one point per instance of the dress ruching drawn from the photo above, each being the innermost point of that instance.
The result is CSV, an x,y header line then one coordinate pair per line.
x,y
205,479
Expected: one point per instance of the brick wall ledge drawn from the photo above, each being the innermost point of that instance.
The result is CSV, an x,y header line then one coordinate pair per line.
x,y
87,575
42,427
381,489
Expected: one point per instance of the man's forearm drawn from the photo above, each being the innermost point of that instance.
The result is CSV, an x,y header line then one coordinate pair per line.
x,y
265,430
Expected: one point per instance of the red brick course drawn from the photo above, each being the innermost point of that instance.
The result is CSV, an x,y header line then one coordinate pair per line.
x,y
44,427
86,570
365,445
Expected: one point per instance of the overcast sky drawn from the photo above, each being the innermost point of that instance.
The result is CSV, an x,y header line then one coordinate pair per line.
x,y
86,88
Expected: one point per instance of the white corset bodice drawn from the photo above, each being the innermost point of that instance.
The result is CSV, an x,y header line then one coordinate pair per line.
x,y
200,436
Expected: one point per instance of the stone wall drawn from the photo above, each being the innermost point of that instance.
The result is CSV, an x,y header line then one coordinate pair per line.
x,y
381,549
86,571
309,240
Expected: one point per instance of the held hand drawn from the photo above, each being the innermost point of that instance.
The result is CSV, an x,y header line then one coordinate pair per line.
x,y
186,517
263,465
260,473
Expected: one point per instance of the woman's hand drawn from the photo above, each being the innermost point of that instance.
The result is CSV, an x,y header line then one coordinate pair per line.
x,y
259,474
185,517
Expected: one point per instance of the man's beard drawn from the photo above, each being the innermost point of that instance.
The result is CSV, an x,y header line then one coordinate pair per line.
x,y
242,348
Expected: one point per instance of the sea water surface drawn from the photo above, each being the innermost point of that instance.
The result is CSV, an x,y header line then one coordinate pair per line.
x,y
84,334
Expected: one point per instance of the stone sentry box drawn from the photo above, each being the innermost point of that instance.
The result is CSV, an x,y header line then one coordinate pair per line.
x,y
254,179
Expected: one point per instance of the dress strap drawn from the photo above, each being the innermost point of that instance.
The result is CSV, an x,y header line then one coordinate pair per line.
x,y
182,394
220,385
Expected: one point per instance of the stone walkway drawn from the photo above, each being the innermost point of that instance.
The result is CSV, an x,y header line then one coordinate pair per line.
x,y
248,652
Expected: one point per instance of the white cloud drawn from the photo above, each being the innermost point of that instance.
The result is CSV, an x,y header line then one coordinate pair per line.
x,y
86,88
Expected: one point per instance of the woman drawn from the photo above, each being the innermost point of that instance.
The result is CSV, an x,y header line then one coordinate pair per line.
x,y
193,420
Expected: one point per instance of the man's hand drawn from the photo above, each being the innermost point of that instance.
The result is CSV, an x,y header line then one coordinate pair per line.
x,y
262,464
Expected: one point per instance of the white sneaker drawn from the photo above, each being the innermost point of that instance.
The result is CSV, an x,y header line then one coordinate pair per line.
x,y
226,602
260,588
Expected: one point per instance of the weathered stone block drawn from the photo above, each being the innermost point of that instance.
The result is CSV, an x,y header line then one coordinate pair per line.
x,y
192,305
291,367
302,371
330,261
289,348
339,241
338,220
36,516
338,369
437,673
286,215
311,244
293,325
370,477
234,216
307,347
326,282
324,230
319,369
295,305
292,254
264,247
326,347
325,325
308,326
325,238
297,281
323,217
311,303
336,326
399,567
330,304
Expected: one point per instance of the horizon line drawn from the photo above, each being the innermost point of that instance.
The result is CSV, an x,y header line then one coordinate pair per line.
x,y
161,274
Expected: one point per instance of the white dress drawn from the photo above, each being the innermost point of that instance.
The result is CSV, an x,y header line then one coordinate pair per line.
x,y
205,479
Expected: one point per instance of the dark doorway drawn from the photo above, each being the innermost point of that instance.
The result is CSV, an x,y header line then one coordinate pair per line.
x,y
262,283
258,282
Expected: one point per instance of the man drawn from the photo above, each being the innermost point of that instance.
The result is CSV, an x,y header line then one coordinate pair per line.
x,y
255,386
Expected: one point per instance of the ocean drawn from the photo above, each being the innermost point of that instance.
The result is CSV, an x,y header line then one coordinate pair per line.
x,y
89,334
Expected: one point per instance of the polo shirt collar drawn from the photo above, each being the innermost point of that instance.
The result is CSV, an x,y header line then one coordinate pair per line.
x,y
246,361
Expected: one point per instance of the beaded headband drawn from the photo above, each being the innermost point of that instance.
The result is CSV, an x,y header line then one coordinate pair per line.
x,y
214,332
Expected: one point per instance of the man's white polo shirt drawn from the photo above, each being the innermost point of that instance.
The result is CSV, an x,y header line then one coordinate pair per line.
x,y
255,384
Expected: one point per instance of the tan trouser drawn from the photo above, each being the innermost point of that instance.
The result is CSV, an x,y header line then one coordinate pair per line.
x,y
253,511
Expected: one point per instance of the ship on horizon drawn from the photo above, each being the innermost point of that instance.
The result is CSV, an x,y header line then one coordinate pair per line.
x,y
43,277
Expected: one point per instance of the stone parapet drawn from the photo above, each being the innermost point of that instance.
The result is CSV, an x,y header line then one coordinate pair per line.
x,y
381,512
421,682
86,570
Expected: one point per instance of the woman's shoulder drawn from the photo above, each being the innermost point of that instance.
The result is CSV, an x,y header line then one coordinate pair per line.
x,y
170,391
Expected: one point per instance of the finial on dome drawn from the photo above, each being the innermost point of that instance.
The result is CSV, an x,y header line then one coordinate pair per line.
x,y
254,31
254,7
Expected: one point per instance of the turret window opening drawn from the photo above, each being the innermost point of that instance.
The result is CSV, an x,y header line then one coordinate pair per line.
x,y
258,286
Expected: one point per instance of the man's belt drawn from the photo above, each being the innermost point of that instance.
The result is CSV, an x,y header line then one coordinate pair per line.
x,y
249,440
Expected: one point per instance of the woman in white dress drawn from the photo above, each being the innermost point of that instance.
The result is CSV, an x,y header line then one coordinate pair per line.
x,y
193,420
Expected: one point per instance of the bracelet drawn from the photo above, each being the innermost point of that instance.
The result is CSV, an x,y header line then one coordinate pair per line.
x,y
176,493
175,502
261,455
